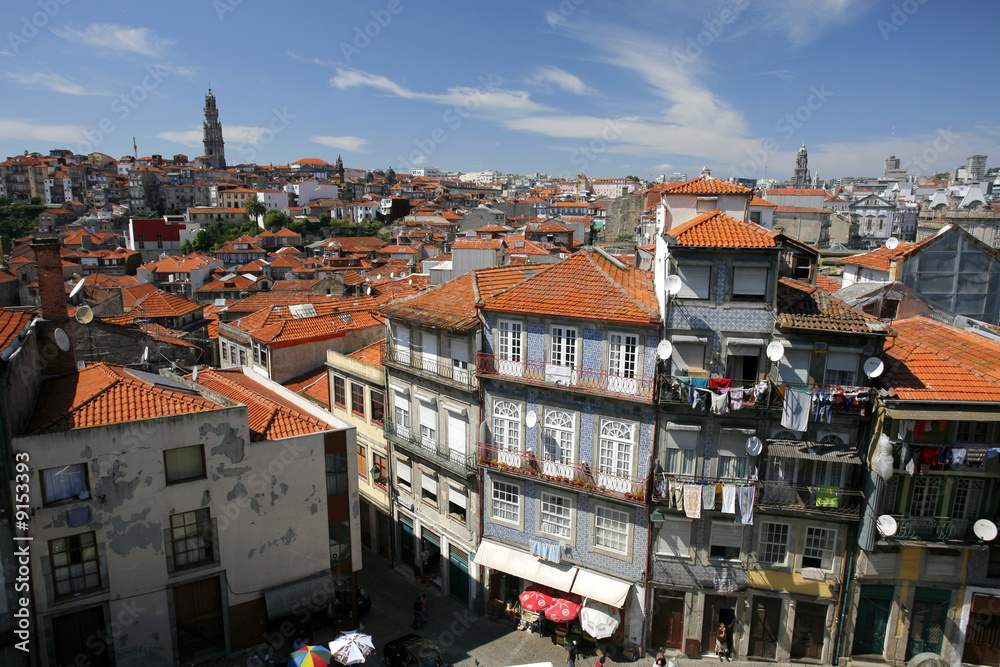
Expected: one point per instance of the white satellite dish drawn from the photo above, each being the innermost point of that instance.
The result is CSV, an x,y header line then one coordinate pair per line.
x,y
194,373
892,243
985,530
62,340
673,284
873,367
886,525
664,349
76,288
775,350
84,314
754,445
289,275
392,274
531,419
369,291
145,354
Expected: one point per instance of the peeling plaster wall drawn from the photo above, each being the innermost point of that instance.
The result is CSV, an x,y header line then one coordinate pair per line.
x,y
255,493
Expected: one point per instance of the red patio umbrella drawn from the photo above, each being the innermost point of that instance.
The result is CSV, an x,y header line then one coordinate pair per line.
x,y
537,597
564,608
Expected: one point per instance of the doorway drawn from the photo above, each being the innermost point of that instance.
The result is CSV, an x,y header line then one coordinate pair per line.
x,y
982,637
406,537
808,632
718,609
76,635
764,617
198,619
874,606
667,626
930,611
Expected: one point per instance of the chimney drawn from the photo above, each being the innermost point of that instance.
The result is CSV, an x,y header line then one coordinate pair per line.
x,y
54,311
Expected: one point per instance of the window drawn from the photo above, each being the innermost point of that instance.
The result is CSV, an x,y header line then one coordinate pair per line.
x,y
733,467
460,361
507,426
681,447
184,463
773,548
841,368
818,550
615,448
925,496
243,357
75,567
225,352
336,474
828,473
65,483
509,340
339,392
557,436
556,515
506,502
674,538
695,281
563,346
749,283
401,414
611,529
727,540
622,354
888,505
969,431
458,503
404,475
429,487
380,469
688,356
968,497
263,356
191,538
362,462
358,399
428,423
378,406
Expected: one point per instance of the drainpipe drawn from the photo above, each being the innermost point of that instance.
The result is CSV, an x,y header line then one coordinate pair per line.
x,y
846,593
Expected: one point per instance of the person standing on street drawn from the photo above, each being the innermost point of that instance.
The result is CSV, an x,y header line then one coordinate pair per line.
x,y
571,653
418,613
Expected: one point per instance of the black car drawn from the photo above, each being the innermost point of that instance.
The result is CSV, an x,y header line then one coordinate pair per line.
x,y
413,651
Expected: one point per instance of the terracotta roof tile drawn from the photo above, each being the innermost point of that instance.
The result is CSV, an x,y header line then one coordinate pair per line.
x,y
828,283
12,322
314,385
705,186
370,354
715,229
805,306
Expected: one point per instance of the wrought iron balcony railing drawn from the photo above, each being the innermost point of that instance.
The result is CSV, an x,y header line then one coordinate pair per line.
x,y
414,442
771,397
933,529
447,369
580,476
825,500
578,378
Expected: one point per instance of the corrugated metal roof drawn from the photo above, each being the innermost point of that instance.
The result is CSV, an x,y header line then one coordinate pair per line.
x,y
816,451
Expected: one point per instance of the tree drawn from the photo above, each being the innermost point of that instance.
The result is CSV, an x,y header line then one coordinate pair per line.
x,y
255,208
187,247
275,220
633,178
369,227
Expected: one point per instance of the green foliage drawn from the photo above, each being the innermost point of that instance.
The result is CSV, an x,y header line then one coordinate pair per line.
x,y
625,236
209,239
36,201
187,247
633,178
369,227
275,220
17,220
255,208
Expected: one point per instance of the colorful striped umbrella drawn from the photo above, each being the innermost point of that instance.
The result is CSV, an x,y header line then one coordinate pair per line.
x,y
312,656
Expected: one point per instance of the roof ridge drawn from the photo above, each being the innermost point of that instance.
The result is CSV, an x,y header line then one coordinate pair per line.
x,y
619,286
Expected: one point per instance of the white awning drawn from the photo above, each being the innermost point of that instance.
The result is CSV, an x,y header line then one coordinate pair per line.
x,y
603,589
525,565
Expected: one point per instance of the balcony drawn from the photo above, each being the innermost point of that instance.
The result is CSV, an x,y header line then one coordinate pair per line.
x,y
675,392
414,443
579,476
588,380
430,365
942,529
827,501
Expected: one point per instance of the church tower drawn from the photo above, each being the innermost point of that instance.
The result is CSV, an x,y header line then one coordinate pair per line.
x,y
215,147
801,178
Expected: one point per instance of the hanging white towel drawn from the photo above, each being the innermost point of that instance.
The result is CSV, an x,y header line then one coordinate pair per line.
x,y
708,496
729,499
795,412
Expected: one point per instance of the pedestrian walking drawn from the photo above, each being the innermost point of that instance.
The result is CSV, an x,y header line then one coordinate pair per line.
x,y
418,613
571,654
600,659
721,646
661,660
423,610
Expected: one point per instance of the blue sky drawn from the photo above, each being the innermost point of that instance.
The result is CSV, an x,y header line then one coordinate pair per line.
x,y
564,87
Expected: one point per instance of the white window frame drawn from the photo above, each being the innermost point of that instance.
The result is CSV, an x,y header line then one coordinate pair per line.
x,y
555,515
506,426
506,498
680,460
615,454
563,345
559,436
611,522
764,542
823,543
510,340
623,354
720,526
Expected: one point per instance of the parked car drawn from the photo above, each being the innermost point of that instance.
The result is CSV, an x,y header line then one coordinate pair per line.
x,y
413,651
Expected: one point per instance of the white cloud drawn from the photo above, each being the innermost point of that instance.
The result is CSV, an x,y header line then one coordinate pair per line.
x,y
554,19
663,167
312,61
232,134
116,37
50,81
549,76
191,138
19,130
177,70
802,22
487,97
353,144
779,73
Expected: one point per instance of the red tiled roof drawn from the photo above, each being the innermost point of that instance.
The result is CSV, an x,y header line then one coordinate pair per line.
x,y
933,361
277,327
758,201
828,283
585,286
477,244
271,416
796,191
12,322
804,306
881,258
705,186
370,354
314,385
103,394
715,229
162,304
800,209
323,304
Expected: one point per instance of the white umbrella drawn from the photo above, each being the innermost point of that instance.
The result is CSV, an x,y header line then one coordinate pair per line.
x,y
351,648
599,620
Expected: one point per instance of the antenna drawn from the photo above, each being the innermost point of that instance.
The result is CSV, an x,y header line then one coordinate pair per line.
x,y
84,314
754,445
985,530
892,243
76,289
145,354
775,350
873,367
531,419
673,284
887,525
194,373
664,349
62,340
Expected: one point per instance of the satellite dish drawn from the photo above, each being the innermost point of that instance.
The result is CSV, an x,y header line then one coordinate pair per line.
x,y
985,530
392,274
289,275
892,243
62,340
888,527
873,367
531,419
194,373
754,445
145,354
84,314
664,349
673,284
76,289
775,350
369,291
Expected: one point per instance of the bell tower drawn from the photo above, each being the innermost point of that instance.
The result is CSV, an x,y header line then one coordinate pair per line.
x,y
215,147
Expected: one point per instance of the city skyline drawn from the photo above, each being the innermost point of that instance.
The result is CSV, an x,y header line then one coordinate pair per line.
x,y
577,86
